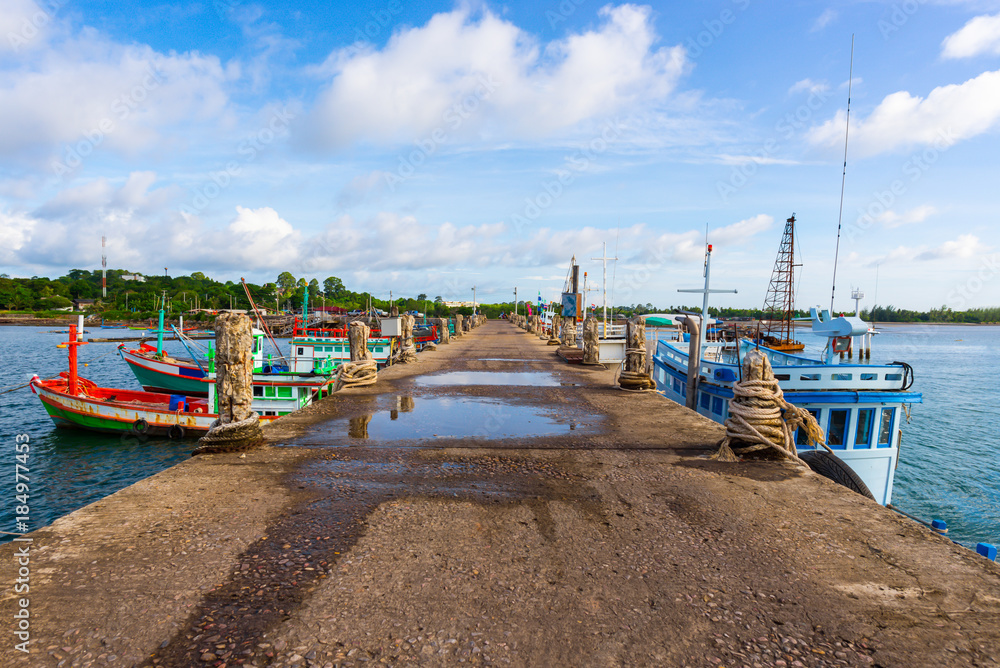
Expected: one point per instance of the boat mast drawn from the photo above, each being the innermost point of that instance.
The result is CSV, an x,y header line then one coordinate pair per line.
x,y
704,300
843,178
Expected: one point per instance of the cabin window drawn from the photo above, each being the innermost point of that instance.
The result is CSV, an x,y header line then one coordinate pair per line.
x,y
781,376
863,435
838,426
894,376
885,430
869,376
706,399
801,438
302,351
280,413
285,392
258,391
717,405
268,391
677,386
809,376
842,376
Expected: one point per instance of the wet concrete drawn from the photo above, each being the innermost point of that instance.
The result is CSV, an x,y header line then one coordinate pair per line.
x,y
612,543
528,378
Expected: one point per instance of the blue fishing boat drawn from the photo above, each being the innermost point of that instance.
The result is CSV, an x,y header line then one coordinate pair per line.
x,y
860,407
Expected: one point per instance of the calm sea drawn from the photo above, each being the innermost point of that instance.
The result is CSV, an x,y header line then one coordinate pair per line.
x,y
948,467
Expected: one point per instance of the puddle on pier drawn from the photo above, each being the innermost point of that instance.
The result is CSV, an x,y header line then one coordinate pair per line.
x,y
521,379
444,418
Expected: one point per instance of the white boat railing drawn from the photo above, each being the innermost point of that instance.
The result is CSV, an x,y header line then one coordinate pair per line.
x,y
614,331
795,378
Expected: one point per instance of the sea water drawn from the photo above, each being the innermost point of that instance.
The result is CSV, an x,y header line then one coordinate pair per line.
x,y
949,462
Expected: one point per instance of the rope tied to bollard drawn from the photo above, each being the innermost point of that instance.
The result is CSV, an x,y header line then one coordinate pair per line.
x,y
761,419
356,374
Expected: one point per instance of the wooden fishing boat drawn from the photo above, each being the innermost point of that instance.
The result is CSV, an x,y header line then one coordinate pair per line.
x,y
76,402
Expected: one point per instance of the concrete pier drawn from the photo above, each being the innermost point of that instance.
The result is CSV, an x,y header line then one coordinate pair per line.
x,y
606,540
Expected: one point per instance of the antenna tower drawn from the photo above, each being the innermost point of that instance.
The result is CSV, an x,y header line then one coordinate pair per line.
x,y
780,301
104,269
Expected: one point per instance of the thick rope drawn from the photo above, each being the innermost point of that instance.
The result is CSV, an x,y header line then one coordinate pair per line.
x,y
230,436
760,418
356,374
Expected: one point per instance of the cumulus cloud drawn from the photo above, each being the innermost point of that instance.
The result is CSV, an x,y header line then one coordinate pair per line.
x,y
964,247
470,76
980,35
810,86
740,232
948,114
85,93
918,214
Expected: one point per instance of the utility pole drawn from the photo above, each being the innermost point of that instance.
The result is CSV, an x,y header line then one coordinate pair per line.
x,y
515,301
473,300
104,270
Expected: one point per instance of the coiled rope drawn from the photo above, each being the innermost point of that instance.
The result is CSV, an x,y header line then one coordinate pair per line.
x,y
356,374
760,418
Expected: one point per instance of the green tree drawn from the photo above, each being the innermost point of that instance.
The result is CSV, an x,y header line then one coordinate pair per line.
x,y
421,297
313,289
333,288
285,283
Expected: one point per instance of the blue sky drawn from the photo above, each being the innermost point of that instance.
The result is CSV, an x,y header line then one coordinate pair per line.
x,y
430,147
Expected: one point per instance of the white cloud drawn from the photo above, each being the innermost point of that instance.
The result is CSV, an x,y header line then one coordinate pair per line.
x,y
918,214
24,26
741,231
85,93
480,76
948,114
980,35
16,230
964,247
808,85
823,20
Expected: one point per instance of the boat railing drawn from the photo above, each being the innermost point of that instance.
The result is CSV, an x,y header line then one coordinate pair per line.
x,y
793,377
614,331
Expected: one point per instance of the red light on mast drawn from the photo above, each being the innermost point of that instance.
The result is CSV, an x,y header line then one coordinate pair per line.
x,y
709,248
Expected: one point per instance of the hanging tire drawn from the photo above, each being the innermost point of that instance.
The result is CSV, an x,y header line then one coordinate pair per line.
x,y
140,426
175,433
833,467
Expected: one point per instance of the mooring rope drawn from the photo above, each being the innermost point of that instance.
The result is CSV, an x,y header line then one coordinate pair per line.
x,y
635,381
356,374
761,419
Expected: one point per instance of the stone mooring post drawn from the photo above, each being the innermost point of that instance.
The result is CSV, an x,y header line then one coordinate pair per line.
x,y
458,325
554,334
443,334
569,332
357,339
238,426
635,376
591,349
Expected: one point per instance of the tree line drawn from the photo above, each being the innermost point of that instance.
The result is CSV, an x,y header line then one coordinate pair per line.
x,y
132,299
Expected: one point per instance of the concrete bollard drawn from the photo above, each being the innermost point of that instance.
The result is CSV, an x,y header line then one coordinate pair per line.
x,y
569,333
408,352
238,426
554,333
444,336
357,339
634,376
591,350
458,325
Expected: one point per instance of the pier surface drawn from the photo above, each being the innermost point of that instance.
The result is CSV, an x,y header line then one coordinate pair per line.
x,y
559,523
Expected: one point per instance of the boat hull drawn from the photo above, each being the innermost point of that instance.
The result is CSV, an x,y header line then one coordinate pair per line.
x,y
101,414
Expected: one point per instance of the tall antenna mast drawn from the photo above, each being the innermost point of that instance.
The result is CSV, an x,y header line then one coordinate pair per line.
x,y
843,179
104,270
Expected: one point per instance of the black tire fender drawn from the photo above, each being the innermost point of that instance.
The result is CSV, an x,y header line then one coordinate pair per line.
x,y
833,467
140,426
175,433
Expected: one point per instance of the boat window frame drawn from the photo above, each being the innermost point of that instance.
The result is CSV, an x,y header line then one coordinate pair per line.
x,y
801,437
867,443
705,401
892,426
829,428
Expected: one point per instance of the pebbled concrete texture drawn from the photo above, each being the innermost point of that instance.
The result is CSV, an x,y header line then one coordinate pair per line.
x,y
614,542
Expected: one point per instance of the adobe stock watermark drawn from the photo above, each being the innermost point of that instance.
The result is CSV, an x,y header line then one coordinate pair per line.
x,y
985,273
121,108
453,118
564,10
32,25
792,122
249,149
899,15
713,29
579,161
914,169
